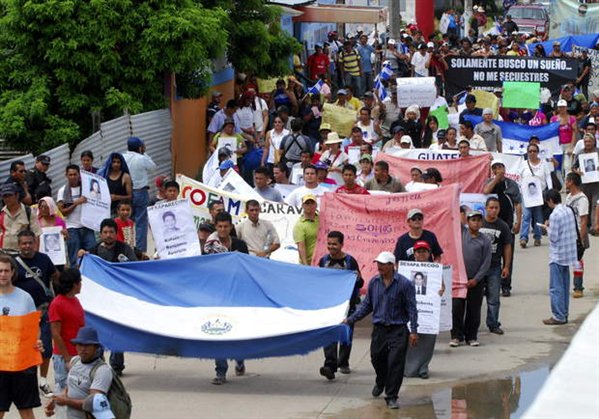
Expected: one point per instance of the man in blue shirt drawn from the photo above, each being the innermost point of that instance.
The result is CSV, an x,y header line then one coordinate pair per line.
x,y
365,50
392,301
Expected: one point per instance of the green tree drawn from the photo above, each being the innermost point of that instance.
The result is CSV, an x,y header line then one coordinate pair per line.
x,y
61,60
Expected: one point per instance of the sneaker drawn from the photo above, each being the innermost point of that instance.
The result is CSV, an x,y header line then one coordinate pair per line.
x,y
327,372
454,343
392,404
553,322
45,389
344,370
377,391
537,243
239,370
473,343
497,331
523,244
506,293
217,381
577,294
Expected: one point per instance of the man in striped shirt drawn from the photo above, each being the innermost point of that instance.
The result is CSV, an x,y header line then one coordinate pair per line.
x,y
349,62
562,253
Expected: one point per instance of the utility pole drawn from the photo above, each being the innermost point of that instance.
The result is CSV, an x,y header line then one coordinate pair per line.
x,y
394,20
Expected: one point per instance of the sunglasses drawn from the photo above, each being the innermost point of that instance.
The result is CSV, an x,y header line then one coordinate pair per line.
x,y
417,218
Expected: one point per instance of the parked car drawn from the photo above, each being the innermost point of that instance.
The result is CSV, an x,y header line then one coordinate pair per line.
x,y
531,18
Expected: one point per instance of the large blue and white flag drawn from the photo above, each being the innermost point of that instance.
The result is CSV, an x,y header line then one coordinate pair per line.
x,y
516,136
228,305
315,90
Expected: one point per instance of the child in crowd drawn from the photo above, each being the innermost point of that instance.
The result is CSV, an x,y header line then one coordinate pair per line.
x,y
126,226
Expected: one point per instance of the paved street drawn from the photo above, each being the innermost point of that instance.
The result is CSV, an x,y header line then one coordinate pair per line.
x,y
163,387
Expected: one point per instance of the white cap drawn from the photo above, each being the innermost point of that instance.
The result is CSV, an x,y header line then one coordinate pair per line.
x,y
497,161
385,257
481,9
487,111
430,45
98,405
562,102
391,41
405,139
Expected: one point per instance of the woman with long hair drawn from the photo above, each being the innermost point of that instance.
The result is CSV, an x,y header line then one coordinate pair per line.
x,y
116,173
272,143
566,133
430,131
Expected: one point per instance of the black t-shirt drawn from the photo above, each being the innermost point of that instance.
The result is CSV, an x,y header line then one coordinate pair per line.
x,y
238,245
404,248
499,233
584,64
574,107
44,268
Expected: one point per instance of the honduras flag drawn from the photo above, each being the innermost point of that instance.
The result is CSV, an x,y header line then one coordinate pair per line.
x,y
386,71
315,90
380,89
228,305
516,137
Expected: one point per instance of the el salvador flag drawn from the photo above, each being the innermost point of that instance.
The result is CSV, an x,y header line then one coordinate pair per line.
x,y
516,136
228,305
315,90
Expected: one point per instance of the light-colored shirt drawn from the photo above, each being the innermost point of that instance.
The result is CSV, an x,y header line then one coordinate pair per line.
x,y
218,120
17,303
562,236
270,194
73,220
79,382
476,142
295,197
258,236
140,167
11,225
491,133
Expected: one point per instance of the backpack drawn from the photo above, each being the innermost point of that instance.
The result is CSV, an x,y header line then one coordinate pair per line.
x,y
119,399
286,147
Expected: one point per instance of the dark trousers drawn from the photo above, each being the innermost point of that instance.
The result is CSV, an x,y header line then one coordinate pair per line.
x,y
388,349
506,283
466,314
336,355
117,361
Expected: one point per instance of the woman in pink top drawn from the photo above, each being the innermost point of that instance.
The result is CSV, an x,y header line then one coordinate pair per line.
x,y
48,215
567,132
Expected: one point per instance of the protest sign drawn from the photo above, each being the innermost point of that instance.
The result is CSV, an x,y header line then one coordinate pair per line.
x,y
266,86
427,278
282,216
373,223
234,183
297,176
419,91
97,207
442,115
285,190
445,317
52,244
229,143
521,95
486,100
475,201
532,192
175,234
589,165
567,21
485,73
470,172
18,341
353,154
341,119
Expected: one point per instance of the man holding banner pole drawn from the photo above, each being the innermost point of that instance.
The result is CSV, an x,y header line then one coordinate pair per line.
x,y
391,299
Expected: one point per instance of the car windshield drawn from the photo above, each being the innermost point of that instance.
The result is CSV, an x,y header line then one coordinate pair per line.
x,y
527,13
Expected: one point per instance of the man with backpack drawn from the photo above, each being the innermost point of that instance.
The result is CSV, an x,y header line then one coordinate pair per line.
x,y
89,375
337,356
294,144
112,250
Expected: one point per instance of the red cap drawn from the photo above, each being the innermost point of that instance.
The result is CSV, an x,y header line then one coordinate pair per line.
x,y
421,244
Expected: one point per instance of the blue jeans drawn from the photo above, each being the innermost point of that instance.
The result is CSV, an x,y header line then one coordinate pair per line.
x,y
355,82
534,215
559,291
60,373
79,238
492,290
366,82
140,202
222,366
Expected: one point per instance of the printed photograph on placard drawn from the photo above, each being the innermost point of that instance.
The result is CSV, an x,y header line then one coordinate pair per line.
x,y
589,165
52,243
532,191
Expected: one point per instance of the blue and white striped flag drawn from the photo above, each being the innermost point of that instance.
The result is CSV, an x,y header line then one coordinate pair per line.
x,y
315,90
228,305
386,71
380,89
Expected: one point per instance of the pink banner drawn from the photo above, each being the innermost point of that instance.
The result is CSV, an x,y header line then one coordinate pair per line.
x,y
373,223
471,172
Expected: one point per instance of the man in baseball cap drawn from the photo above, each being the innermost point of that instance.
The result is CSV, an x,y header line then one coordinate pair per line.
x,y
404,248
391,300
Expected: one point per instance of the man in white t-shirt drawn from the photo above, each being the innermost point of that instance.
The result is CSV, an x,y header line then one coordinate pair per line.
x,y
421,61
311,186
69,200
579,202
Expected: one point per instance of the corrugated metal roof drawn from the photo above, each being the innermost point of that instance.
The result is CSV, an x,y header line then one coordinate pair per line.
x,y
154,127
